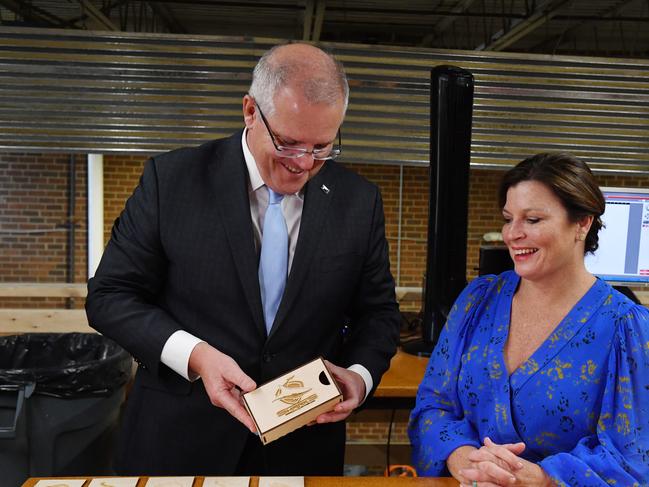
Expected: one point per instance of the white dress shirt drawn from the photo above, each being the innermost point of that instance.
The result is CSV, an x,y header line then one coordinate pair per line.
x,y
179,346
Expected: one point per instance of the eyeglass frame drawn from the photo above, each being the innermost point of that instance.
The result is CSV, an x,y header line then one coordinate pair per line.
x,y
301,152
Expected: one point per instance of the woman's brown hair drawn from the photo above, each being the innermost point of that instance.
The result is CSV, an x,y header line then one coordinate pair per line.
x,y
570,179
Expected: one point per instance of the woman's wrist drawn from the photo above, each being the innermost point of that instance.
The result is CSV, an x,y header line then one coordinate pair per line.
x,y
547,480
458,459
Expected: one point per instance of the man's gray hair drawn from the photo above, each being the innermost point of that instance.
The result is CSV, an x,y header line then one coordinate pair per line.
x,y
321,81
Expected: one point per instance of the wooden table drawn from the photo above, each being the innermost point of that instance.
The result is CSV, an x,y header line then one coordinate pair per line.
x,y
328,482
399,384
403,377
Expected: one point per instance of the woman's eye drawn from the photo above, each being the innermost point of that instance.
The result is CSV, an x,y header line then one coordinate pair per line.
x,y
533,220
506,219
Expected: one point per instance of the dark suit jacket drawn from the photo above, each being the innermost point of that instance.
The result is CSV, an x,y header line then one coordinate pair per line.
x,y
182,257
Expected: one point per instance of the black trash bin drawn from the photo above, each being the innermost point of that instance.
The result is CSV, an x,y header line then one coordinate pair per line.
x,y
60,396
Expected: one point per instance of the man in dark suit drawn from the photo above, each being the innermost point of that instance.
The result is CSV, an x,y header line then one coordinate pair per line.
x,y
183,288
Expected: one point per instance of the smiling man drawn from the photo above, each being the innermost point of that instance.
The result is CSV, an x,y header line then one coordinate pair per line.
x,y
237,261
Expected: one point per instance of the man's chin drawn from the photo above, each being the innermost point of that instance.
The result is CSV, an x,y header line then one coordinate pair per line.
x,y
292,185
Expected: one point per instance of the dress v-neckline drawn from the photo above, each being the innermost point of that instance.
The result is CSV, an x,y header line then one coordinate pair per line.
x,y
569,325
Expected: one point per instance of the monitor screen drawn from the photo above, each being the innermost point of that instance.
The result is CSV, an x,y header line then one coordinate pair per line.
x,y
623,253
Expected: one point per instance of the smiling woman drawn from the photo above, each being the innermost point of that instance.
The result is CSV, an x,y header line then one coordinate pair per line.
x,y
541,374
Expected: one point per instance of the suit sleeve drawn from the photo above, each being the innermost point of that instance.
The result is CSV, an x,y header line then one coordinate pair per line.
x,y
375,313
438,425
618,451
122,296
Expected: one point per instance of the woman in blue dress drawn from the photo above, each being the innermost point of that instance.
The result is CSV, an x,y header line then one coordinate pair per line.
x,y
541,374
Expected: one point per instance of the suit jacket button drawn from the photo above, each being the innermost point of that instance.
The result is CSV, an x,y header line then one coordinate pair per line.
x,y
267,357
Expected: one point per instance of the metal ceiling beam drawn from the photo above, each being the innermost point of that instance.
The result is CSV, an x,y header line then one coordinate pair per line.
x,y
319,19
97,19
31,13
167,16
569,32
308,19
439,28
520,28
313,19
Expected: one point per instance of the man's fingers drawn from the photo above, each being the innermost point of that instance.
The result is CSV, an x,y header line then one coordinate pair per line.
x,y
331,417
340,412
241,380
331,367
346,406
234,407
223,380
351,385
232,374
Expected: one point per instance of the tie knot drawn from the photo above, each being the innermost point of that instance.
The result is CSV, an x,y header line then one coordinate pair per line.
x,y
274,197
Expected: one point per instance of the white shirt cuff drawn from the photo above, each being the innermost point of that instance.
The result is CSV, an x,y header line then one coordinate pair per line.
x,y
175,354
367,378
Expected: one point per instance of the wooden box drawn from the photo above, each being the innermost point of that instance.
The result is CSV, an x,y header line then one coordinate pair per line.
x,y
292,400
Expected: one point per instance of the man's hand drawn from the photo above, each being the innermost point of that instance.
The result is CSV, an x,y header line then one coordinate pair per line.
x,y
224,381
500,465
352,386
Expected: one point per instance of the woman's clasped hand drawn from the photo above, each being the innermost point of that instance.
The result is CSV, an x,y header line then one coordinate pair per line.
x,y
499,465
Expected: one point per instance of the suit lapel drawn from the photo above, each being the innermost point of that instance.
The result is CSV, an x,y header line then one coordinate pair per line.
x,y
317,202
229,179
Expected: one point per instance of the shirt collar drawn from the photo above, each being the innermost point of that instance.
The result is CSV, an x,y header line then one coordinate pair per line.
x,y
253,171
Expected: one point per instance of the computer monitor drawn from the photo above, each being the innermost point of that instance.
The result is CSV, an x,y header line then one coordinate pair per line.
x,y
623,253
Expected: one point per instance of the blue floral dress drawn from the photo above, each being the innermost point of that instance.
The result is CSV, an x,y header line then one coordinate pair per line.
x,y
580,402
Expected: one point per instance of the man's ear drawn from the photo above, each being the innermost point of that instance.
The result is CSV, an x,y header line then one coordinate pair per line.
x,y
249,111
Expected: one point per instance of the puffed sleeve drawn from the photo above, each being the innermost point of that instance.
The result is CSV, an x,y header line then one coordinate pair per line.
x,y
437,425
618,452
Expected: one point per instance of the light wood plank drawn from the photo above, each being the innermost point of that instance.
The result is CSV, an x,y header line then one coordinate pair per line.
x,y
43,290
14,321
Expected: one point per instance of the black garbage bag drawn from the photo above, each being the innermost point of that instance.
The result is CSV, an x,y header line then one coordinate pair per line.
x,y
63,364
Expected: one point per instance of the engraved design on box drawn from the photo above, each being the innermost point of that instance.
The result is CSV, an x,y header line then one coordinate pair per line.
x,y
296,400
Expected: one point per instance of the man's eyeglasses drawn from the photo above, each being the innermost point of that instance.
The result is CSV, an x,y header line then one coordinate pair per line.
x,y
292,152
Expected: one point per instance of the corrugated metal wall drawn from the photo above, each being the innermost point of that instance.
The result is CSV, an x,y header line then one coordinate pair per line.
x,y
79,91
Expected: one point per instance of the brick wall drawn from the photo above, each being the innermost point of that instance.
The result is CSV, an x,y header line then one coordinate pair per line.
x,y
121,176
34,222
33,196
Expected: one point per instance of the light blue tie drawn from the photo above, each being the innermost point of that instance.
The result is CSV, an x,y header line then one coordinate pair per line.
x,y
273,263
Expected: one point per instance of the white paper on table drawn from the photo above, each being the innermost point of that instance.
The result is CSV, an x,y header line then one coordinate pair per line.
x,y
170,482
60,483
226,481
115,482
281,481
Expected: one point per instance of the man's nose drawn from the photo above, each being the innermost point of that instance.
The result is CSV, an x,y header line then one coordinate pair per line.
x,y
306,162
